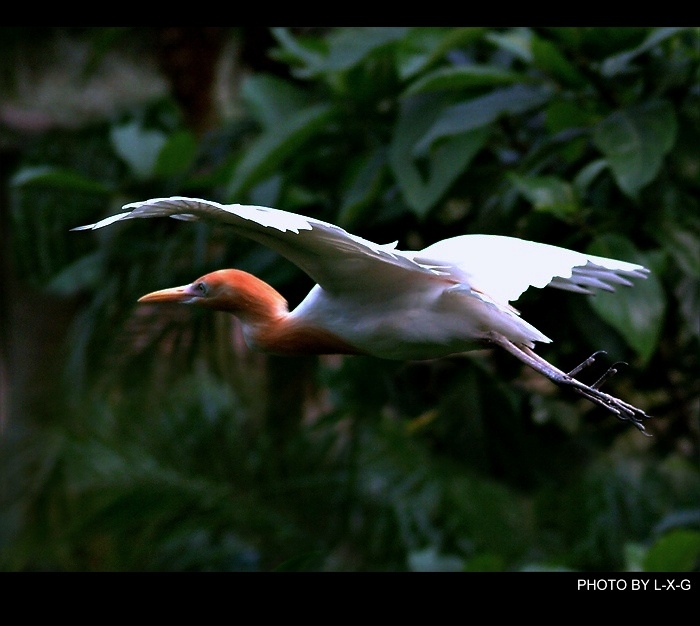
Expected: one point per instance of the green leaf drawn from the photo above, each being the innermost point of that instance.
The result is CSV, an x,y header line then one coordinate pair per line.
x,y
676,551
463,77
309,55
588,174
635,141
634,557
599,41
306,562
268,152
687,294
548,194
481,111
298,197
176,156
349,46
56,177
272,99
422,47
682,242
486,562
442,166
565,117
430,560
547,56
565,114
417,49
137,146
364,186
342,49
81,274
637,312
618,63
267,192
517,41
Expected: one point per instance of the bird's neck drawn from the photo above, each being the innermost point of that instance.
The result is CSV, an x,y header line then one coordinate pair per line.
x,y
267,323
291,336
250,299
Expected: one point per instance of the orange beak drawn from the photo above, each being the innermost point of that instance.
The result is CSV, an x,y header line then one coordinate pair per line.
x,y
184,295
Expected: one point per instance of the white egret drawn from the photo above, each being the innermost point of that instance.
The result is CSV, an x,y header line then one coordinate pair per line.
x,y
450,297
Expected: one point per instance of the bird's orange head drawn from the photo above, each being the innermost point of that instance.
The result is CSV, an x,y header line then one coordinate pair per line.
x,y
233,291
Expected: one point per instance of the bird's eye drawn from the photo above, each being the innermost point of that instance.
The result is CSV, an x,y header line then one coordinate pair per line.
x,y
202,288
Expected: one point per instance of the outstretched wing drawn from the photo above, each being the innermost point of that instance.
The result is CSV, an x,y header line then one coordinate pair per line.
x,y
334,258
504,267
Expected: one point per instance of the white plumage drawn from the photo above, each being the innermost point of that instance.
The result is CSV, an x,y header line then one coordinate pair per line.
x,y
449,297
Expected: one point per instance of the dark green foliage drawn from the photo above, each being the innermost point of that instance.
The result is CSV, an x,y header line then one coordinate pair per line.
x,y
170,447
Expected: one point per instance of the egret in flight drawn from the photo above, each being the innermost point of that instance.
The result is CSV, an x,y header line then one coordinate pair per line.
x,y
450,297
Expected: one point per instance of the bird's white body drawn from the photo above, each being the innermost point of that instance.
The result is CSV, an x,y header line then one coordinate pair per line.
x,y
409,323
375,299
398,304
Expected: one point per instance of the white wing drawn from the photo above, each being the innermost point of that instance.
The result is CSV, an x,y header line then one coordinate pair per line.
x,y
504,267
335,259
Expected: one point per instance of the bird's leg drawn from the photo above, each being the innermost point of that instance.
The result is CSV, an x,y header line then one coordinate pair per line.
x,y
594,388
617,407
621,409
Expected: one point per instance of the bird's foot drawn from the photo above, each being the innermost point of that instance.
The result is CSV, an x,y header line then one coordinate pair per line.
x,y
611,371
620,409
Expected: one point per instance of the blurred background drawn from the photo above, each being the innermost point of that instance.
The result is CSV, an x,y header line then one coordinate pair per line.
x,y
150,438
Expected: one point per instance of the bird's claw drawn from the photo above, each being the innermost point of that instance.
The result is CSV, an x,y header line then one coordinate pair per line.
x,y
620,409
627,413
